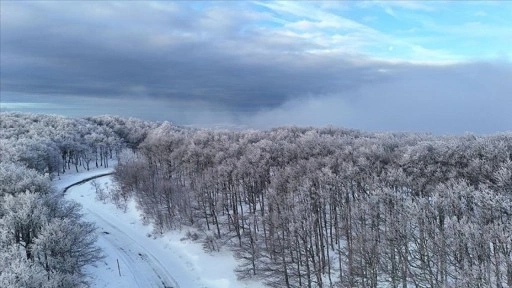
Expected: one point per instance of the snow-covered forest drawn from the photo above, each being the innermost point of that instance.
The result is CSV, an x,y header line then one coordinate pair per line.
x,y
299,207
307,207
43,240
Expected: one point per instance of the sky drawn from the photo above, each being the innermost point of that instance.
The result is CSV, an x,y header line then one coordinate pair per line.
x,y
432,66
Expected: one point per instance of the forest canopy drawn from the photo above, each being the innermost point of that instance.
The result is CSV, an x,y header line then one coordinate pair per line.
x,y
43,240
299,207
323,207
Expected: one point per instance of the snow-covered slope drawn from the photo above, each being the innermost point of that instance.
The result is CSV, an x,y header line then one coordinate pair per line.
x,y
144,260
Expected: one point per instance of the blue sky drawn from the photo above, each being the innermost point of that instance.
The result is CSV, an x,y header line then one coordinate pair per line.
x,y
426,32
428,66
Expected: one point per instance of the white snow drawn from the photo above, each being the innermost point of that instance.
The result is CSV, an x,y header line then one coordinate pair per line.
x,y
144,260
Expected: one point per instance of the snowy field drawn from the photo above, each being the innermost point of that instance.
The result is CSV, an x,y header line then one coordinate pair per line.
x,y
144,260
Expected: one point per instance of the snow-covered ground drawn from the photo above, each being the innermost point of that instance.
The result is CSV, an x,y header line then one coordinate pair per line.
x,y
146,261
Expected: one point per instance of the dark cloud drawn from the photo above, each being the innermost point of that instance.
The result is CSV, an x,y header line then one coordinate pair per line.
x,y
204,65
102,52
441,99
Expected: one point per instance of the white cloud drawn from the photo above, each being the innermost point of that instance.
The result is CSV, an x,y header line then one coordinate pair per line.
x,y
331,32
406,5
449,99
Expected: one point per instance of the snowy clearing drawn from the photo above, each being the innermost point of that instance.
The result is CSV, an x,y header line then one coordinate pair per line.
x,y
145,260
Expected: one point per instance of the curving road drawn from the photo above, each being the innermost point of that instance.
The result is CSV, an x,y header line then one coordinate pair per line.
x,y
136,260
143,262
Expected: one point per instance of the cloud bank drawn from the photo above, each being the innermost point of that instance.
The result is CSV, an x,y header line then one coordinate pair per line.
x,y
439,99
252,64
